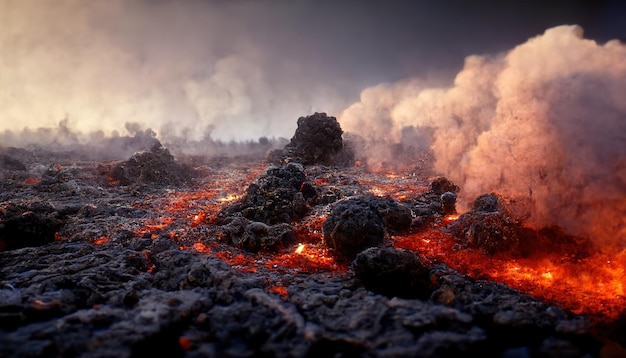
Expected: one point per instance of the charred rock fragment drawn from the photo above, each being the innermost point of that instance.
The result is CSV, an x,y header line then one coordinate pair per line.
x,y
281,195
317,139
489,226
154,167
392,272
258,236
28,224
397,217
353,225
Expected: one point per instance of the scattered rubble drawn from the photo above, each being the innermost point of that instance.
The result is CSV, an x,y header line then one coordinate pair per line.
x,y
120,273
439,200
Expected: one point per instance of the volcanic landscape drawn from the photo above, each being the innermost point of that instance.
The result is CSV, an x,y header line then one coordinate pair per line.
x,y
298,249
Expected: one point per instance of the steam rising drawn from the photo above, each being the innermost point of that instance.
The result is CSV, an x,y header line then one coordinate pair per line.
x,y
544,124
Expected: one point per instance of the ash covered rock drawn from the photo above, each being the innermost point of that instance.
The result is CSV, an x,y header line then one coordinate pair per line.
x,y
281,195
353,225
392,272
317,140
489,226
256,236
154,167
29,223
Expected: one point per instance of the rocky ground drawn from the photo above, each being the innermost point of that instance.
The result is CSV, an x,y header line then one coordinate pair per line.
x,y
152,255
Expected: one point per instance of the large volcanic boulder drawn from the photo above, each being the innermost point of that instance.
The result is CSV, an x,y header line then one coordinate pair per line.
x,y
281,195
317,139
392,272
353,225
155,167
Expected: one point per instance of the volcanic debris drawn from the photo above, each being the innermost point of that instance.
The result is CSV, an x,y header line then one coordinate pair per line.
x,y
353,225
439,200
155,167
393,272
281,195
488,226
28,223
255,236
139,293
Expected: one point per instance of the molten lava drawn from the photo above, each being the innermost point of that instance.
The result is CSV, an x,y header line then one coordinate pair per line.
x,y
591,285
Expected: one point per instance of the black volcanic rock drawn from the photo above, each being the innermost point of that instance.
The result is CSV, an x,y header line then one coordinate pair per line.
x,y
441,185
392,272
489,226
258,236
31,223
317,139
397,217
353,225
155,167
281,195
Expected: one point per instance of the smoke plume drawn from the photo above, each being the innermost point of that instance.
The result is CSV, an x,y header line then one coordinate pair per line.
x,y
543,124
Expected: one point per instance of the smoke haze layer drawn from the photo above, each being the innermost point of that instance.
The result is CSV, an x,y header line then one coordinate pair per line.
x,y
238,69
186,69
543,124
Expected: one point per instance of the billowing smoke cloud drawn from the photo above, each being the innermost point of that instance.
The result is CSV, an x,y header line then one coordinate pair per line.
x,y
543,124
184,69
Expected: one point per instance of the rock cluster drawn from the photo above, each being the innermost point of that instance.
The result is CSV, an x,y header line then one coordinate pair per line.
x,y
281,195
489,226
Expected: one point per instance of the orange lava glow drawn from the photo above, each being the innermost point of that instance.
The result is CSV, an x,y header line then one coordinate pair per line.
x,y
279,289
312,258
592,285
31,181
101,240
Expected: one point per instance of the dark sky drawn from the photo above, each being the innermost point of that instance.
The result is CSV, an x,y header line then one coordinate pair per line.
x,y
381,40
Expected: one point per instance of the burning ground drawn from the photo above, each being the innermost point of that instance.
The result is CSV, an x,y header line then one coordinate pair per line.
x,y
303,251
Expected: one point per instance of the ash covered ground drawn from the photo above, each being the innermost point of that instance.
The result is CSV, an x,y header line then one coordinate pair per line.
x,y
194,256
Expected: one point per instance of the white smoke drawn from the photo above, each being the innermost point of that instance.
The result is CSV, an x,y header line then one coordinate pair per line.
x,y
184,69
543,124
